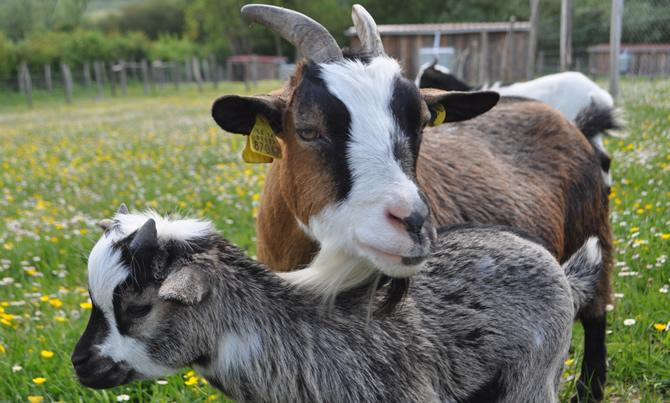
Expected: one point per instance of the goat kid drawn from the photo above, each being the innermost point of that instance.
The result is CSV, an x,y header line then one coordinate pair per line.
x,y
169,293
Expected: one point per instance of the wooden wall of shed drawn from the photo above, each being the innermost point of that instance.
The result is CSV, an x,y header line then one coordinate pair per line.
x,y
468,49
642,63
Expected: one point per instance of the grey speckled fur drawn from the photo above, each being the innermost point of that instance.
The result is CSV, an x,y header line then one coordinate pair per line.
x,y
471,329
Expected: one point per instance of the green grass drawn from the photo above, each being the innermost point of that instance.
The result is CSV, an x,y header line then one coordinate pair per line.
x,y
62,168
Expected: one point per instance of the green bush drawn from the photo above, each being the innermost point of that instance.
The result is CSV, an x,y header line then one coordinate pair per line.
x,y
169,47
132,46
7,57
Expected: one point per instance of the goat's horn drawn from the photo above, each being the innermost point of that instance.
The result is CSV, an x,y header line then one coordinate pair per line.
x,y
367,31
310,37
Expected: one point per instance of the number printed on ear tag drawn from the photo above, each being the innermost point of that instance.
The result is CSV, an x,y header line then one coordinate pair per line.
x,y
262,139
441,115
252,157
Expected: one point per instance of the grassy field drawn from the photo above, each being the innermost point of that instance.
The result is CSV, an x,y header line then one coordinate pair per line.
x,y
65,167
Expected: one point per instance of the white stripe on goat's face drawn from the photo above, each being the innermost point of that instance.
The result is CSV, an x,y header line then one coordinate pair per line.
x,y
106,355
379,213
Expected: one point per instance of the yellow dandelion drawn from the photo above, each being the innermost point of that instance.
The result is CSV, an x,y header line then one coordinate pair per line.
x,y
83,231
191,381
634,229
39,380
60,319
5,322
35,399
2,349
8,246
54,239
639,211
46,354
44,298
55,302
211,398
660,326
569,362
85,305
665,236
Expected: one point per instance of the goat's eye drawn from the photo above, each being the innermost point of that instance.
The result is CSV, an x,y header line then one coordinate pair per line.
x,y
308,134
138,310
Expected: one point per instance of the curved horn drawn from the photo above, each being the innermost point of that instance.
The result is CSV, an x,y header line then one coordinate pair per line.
x,y
367,32
310,37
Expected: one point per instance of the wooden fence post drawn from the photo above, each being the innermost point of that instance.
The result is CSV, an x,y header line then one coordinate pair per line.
x,y
532,38
196,73
24,75
566,34
87,74
174,74
67,82
47,77
145,76
615,45
112,78
188,69
214,71
97,71
484,58
123,77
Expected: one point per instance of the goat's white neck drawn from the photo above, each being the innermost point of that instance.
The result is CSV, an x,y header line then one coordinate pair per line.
x,y
333,271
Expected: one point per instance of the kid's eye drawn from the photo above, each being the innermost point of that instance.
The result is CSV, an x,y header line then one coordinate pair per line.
x,y
138,310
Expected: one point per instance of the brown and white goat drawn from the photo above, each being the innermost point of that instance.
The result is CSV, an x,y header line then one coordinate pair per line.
x,y
348,194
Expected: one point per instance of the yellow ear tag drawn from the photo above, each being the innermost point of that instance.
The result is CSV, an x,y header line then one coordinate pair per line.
x,y
262,145
441,115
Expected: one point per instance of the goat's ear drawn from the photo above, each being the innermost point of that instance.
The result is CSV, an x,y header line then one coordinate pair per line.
x,y
237,114
187,285
454,106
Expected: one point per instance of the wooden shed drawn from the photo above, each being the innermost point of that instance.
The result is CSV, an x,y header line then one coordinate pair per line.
x,y
639,59
254,67
485,51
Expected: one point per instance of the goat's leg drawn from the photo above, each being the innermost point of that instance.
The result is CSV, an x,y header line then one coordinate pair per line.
x,y
594,363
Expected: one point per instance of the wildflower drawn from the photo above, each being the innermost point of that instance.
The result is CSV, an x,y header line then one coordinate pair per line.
x,y
17,368
660,326
211,398
85,305
569,362
39,380
46,354
35,399
2,349
8,246
191,381
122,398
665,236
162,382
629,322
55,302
60,318
44,298
609,307
189,374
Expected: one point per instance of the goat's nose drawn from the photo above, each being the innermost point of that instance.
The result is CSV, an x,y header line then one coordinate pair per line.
x,y
412,219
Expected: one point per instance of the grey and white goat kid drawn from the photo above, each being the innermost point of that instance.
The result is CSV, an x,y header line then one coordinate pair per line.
x,y
169,293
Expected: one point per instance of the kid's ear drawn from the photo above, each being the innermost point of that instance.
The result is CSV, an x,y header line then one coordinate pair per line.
x,y
187,285
454,106
237,114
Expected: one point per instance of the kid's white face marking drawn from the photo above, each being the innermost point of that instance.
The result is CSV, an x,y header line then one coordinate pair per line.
x,y
106,271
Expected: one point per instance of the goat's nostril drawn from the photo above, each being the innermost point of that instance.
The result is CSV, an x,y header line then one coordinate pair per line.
x,y
414,222
80,358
